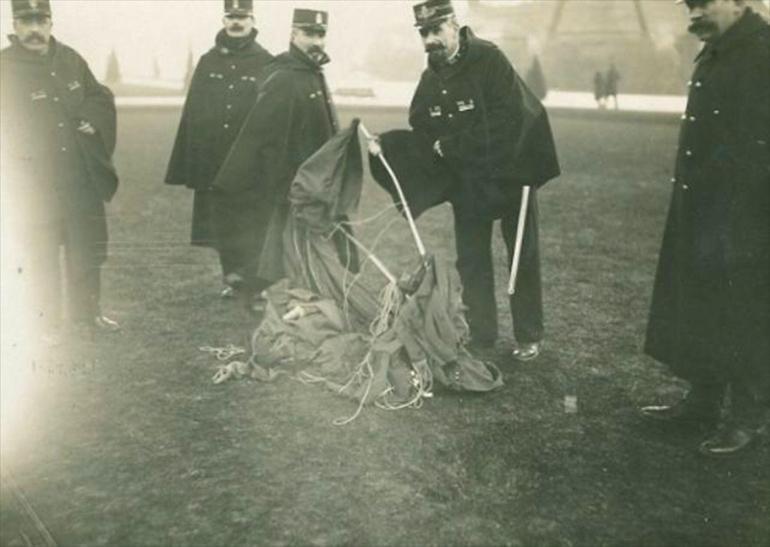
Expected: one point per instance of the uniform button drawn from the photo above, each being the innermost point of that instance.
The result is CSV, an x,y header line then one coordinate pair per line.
x,y
451,116
56,99
685,187
692,118
232,66
227,126
688,153
63,148
716,112
698,84
61,124
231,86
689,83
229,106
673,179
684,116
53,73
444,91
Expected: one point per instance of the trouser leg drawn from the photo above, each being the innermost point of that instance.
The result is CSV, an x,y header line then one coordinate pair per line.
x,y
43,275
473,241
526,304
83,275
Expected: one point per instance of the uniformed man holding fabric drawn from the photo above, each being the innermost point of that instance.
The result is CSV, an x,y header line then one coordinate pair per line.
x,y
293,117
58,135
493,134
222,92
710,314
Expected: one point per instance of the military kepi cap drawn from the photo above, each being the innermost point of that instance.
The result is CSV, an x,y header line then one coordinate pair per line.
x,y
25,8
310,19
239,7
432,12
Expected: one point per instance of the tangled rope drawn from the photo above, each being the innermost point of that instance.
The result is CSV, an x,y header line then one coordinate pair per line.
x,y
223,353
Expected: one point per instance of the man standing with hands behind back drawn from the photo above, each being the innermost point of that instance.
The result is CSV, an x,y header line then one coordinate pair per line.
x,y
710,314
223,90
293,117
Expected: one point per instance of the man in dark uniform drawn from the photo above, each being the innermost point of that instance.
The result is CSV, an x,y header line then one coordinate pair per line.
x,y
58,136
223,90
293,117
710,314
493,134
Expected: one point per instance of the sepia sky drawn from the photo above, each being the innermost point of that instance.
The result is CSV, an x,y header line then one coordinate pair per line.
x,y
140,30
361,31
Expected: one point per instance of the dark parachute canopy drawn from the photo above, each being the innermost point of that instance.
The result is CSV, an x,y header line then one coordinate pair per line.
x,y
326,324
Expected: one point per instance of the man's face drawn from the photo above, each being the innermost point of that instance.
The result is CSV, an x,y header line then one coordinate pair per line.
x,y
709,19
441,40
34,32
311,41
238,26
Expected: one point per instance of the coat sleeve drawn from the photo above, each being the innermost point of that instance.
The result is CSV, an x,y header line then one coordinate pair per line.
x,y
258,159
98,109
418,113
752,138
177,173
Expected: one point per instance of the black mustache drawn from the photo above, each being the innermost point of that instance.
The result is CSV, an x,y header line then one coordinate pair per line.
x,y
237,28
315,49
701,24
430,48
34,37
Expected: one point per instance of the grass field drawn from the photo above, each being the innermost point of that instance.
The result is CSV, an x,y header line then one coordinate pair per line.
x,y
125,441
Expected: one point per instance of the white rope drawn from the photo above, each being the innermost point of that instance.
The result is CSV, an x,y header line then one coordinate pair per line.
x,y
402,197
223,353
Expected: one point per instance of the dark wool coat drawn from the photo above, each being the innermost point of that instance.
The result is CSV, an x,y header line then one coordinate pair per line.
x,y
494,133
222,91
54,173
710,314
292,118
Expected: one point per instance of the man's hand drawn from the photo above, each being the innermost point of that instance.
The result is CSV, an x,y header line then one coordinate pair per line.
x,y
86,128
375,149
437,149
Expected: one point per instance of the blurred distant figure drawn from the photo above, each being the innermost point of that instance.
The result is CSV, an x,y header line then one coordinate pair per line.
x,y
58,135
493,135
536,79
600,92
223,89
710,315
611,81
112,75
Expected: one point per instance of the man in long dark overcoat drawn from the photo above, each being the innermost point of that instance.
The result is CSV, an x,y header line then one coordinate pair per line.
x,y
293,117
223,89
710,314
58,136
493,135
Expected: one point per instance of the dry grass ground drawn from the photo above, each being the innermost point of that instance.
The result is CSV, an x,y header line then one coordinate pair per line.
x,y
125,441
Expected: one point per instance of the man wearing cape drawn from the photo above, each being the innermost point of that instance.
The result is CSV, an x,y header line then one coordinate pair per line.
x,y
480,137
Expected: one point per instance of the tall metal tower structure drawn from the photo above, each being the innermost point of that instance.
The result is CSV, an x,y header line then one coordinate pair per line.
x,y
562,5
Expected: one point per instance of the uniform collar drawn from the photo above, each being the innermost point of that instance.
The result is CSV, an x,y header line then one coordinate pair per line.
x,y
228,45
301,61
22,53
748,24
468,50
